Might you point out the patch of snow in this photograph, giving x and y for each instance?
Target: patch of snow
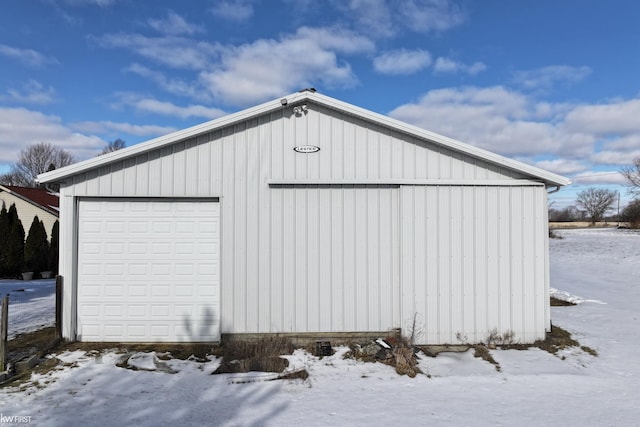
(143, 361)
(31, 304)
(566, 296)
(382, 343)
(72, 356)
(449, 365)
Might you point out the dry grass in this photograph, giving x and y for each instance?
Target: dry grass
(555, 302)
(263, 347)
(185, 351)
(238, 356)
(581, 224)
(401, 355)
(405, 361)
(38, 342)
(482, 352)
(255, 364)
(255, 355)
(300, 374)
(556, 340)
(559, 339)
(263, 354)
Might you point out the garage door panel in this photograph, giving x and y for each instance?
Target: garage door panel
(90, 290)
(136, 311)
(114, 291)
(113, 310)
(143, 331)
(91, 310)
(90, 248)
(150, 271)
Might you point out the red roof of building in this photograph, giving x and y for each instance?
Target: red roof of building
(43, 198)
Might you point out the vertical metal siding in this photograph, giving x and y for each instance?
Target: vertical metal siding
(66, 261)
(471, 257)
(266, 232)
(333, 271)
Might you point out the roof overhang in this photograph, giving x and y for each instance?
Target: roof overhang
(548, 178)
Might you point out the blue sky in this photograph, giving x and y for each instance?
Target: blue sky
(551, 83)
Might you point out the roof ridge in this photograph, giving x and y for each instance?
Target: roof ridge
(309, 94)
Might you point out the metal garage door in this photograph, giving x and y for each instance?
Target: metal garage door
(148, 270)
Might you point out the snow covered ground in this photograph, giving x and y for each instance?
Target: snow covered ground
(31, 304)
(599, 269)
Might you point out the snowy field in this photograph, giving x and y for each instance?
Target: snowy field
(31, 304)
(598, 269)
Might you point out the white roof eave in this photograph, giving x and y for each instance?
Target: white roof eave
(156, 143)
(550, 179)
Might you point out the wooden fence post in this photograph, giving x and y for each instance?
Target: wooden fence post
(4, 326)
(58, 307)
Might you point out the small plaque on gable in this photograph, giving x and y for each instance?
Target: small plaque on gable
(306, 149)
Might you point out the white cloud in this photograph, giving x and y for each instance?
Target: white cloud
(101, 3)
(402, 61)
(252, 72)
(448, 65)
(174, 25)
(371, 16)
(172, 51)
(563, 138)
(599, 177)
(545, 78)
(28, 57)
(334, 38)
(267, 68)
(73, 21)
(475, 68)
(20, 128)
(613, 157)
(32, 92)
(562, 166)
(623, 142)
(616, 117)
(495, 119)
(119, 128)
(233, 10)
(152, 105)
(175, 86)
(387, 18)
(429, 15)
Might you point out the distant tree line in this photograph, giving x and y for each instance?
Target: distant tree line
(567, 214)
(631, 212)
(595, 203)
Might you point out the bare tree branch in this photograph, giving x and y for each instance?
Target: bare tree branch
(34, 160)
(116, 145)
(632, 175)
(596, 201)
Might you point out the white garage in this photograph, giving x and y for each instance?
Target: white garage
(148, 270)
(303, 216)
